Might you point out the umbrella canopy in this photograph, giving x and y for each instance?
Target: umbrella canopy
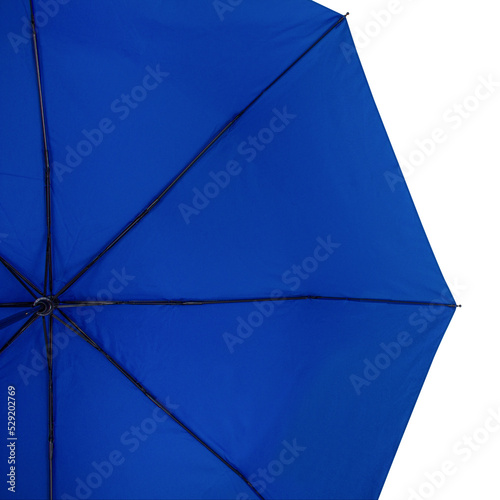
(214, 282)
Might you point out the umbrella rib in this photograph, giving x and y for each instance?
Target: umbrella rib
(48, 252)
(15, 318)
(16, 304)
(19, 333)
(21, 278)
(181, 174)
(75, 328)
(90, 303)
(49, 351)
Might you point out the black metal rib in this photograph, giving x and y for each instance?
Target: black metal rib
(21, 278)
(48, 210)
(181, 174)
(49, 339)
(69, 304)
(16, 304)
(18, 333)
(15, 318)
(75, 328)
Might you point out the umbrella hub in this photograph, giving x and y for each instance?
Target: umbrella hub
(45, 305)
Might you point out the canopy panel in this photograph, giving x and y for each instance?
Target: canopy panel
(335, 381)
(294, 197)
(121, 445)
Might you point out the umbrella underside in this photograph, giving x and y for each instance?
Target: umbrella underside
(215, 283)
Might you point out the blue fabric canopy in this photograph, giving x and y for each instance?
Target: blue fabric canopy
(214, 282)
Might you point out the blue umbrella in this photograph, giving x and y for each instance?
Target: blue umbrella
(214, 282)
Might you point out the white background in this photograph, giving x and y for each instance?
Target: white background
(422, 60)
